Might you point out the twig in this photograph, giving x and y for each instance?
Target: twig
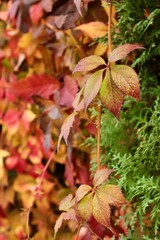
(98, 136)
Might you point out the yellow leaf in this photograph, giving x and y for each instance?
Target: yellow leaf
(100, 49)
(25, 41)
(93, 29)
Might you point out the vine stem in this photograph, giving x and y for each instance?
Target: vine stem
(78, 231)
(99, 136)
(109, 28)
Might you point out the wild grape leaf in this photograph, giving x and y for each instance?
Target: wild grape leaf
(48, 4)
(85, 206)
(122, 51)
(65, 129)
(68, 92)
(42, 85)
(126, 79)
(93, 29)
(70, 215)
(110, 95)
(78, 6)
(101, 176)
(89, 63)
(82, 191)
(36, 12)
(67, 203)
(77, 102)
(92, 87)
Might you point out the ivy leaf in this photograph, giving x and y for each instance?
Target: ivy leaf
(89, 63)
(78, 6)
(126, 79)
(110, 95)
(92, 87)
(82, 191)
(85, 206)
(42, 85)
(122, 51)
(66, 126)
(101, 176)
(67, 203)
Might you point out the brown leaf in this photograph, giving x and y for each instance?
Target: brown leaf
(82, 191)
(92, 87)
(126, 79)
(101, 176)
(65, 129)
(89, 63)
(110, 95)
(122, 51)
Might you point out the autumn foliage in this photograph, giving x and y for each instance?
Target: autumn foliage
(50, 75)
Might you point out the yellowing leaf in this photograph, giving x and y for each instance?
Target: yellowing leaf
(110, 95)
(25, 41)
(126, 79)
(85, 206)
(92, 87)
(101, 176)
(82, 191)
(67, 203)
(93, 29)
(76, 101)
(101, 210)
(122, 51)
(100, 49)
(89, 63)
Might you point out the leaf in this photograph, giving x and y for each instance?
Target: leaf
(25, 41)
(126, 79)
(42, 85)
(36, 12)
(92, 87)
(122, 51)
(93, 29)
(89, 63)
(67, 203)
(82, 191)
(78, 6)
(101, 176)
(70, 215)
(48, 4)
(85, 206)
(68, 92)
(66, 126)
(111, 96)
(101, 210)
(112, 195)
(76, 100)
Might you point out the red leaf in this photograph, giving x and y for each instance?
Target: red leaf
(126, 79)
(101, 176)
(42, 85)
(36, 12)
(122, 51)
(92, 87)
(65, 129)
(111, 96)
(89, 63)
(68, 92)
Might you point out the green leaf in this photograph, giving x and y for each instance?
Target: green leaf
(89, 63)
(82, 191)
(110, 95)
(101, 176)
(126, 79)
(92, 87)
(122, 51)
(85, 206)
